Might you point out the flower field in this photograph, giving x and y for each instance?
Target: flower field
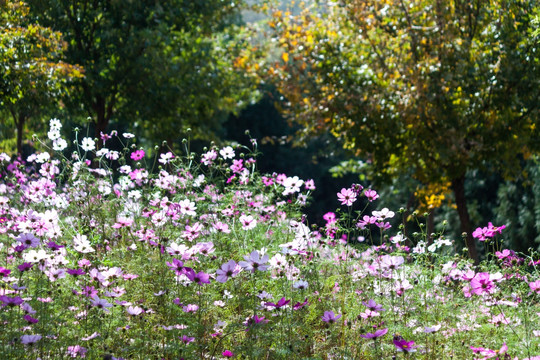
(116, 254)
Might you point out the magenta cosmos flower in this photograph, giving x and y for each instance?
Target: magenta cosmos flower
(281, 303)
(403, 345)
(330, 317)
(482, 284)
(199, 278)
(137, 155)
(346, 196)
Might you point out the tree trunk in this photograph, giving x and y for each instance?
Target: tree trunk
(19, 121)
(458, 187)
(101, 118)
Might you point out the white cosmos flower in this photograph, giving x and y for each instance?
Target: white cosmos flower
(383, 214)
(227, 152)
(53, 134)
(88, 144)
(55, 124)
(59, 144)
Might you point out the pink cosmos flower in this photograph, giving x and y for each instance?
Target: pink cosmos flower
(166, 158)
(330, 218)
(346, 196)
(482, 284)
(122, 221)
(237, 166)
(488, 353)
(369, 314)
(135, 310)
(366, 220)
(76, 351)
(309, 184)
(221, 227)
(371, 195)
(209, 157)
(248, 222)
(190, 308)
(383, 214)
(391, 262)
(482, 234)
(535, 286)
(267, 181)
(401, 286)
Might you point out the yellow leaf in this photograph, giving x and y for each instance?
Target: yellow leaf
(285, 57)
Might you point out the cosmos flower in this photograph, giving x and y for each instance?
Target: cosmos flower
(28, 240)
(229, 269)
(281, 303)
(199, 278)
(346, 196)
(375, 334)
(330, 317)
(372, 305)
(254, 262)
(482, 284)
(100, 303)
(404, 345)
(30, 339)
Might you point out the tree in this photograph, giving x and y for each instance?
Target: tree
(32, 76)
(421, 87)
(152, 64)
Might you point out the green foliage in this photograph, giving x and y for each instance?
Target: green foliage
(32, 76)
(161, 67)
(416, 87)
(519, 208)
(413, 84)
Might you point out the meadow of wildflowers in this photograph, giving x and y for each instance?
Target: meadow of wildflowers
(109, 254)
